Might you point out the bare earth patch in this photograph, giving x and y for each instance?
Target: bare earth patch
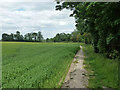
(76, 76)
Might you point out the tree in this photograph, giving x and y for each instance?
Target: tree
(61, 37)
(34, 36)
(5, 37)
(47, 40)
(101, 20)
(74, 36)
(18, 37)
(87, 37)
(12, 37)
(39, 36)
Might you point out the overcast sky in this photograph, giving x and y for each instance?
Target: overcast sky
(33, 17)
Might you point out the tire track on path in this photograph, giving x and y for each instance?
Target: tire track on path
(76, 76)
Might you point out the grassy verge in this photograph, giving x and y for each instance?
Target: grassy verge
(103, 72)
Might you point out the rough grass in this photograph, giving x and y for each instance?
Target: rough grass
(35, 65)
(103, 72)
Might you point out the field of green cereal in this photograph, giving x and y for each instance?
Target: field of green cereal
(36, 65)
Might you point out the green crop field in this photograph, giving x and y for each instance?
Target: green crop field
(36, 65)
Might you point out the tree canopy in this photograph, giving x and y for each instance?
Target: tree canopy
(101, 21)
(33, 36)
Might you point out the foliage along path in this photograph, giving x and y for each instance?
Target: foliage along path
(76, 76)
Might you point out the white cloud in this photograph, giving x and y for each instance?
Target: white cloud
(28, 17)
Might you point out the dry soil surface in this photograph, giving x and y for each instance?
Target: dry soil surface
(76, 76)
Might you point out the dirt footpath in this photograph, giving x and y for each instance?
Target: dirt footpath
(76, 77)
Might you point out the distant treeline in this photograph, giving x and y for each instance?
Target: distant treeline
(75, 36)
(29, 37)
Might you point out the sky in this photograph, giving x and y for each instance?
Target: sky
(33, 17)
